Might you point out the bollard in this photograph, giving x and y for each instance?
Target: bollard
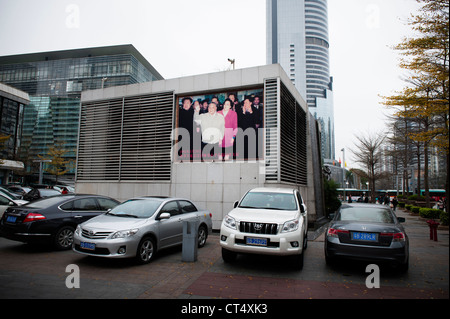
(433, 229)
(190, 240)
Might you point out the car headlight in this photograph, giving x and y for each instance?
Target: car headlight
(289, 226)
(78, 230)
(229, 222)
(123, 233)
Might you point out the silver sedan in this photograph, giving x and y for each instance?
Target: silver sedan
(140, 227)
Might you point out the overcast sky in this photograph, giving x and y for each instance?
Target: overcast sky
(180, 37)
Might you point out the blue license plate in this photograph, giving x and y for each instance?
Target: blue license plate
(11, 219)
(364, 236)
(88, 246)
(256, 241)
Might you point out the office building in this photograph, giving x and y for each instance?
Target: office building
(54, 82)
(297, 39)
(12, 104)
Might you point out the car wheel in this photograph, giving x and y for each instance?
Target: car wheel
(299, 259)
(145, 251)
(228, 256)
(64, 238)
(202, 236)
(305, 241)
(403, 268)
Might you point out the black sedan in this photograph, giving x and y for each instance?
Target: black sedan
(367, 232)
(53, 219)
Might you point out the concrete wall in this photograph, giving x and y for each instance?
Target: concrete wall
(213, 186)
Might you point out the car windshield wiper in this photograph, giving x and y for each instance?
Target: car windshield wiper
(124, 215)
(276, 208)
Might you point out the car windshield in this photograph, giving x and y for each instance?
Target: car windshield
(136, 208)
(366, 214)
(46, 202)
(266, 200)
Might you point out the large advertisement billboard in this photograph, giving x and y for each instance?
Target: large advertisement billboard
(221, 126)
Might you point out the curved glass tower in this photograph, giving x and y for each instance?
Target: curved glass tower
(297, 39)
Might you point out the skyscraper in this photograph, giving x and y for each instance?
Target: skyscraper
(297, 39)
(54, 81)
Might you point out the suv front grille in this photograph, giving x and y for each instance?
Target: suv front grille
(258, 228)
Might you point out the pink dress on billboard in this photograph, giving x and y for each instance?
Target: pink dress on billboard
(231, 128)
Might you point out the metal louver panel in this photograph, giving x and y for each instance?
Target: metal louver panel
(126, 139)
(285, 123)
(293, 140)
(271, 132)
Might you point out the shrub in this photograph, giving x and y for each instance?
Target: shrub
(412, 197)
(408, 207)
(401, 204)
(444, 218)
(430, 213)
(415, 209)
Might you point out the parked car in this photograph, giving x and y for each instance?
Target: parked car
(369, 232)
(270, 221)
(6, 191)
(19, 190)
(139, 228)
(37, 193)
(7, 201)
(52, 219)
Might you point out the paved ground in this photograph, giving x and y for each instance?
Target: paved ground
(27, 272)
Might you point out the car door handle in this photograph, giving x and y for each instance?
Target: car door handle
(78, 216)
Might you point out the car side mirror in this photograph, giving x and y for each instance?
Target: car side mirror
(302, 208)
(164, 216)
(236, 204)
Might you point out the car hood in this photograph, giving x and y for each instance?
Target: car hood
(111, 223)
(263, 215)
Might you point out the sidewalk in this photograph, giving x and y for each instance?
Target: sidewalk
(255, 277)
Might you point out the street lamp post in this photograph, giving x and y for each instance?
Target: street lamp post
(41, 173)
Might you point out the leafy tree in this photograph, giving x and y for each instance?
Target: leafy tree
(332, 202)
(426, 97)
(59, 165)
(368, 155)
(3, 140)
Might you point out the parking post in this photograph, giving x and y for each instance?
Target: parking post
(190, 241)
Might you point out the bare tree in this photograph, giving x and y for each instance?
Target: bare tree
(367, 153)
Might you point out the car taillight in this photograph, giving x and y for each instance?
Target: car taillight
(395, 236)
(335, 232)
(31, 217)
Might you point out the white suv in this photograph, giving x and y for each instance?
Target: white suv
(271, 221)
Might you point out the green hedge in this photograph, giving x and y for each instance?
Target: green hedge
(416, 197)
(430, 213)
(401, 204)
(415, 209)
(444, 218)
(408, 206)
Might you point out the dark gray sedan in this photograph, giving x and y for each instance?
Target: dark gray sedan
(367, 232)
(52, 219)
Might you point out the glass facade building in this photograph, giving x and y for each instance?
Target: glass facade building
(54, 82)
(297, 39)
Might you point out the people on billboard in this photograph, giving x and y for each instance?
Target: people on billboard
(231, 127)
(213, 130)
(216, 122)
(248, 116)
